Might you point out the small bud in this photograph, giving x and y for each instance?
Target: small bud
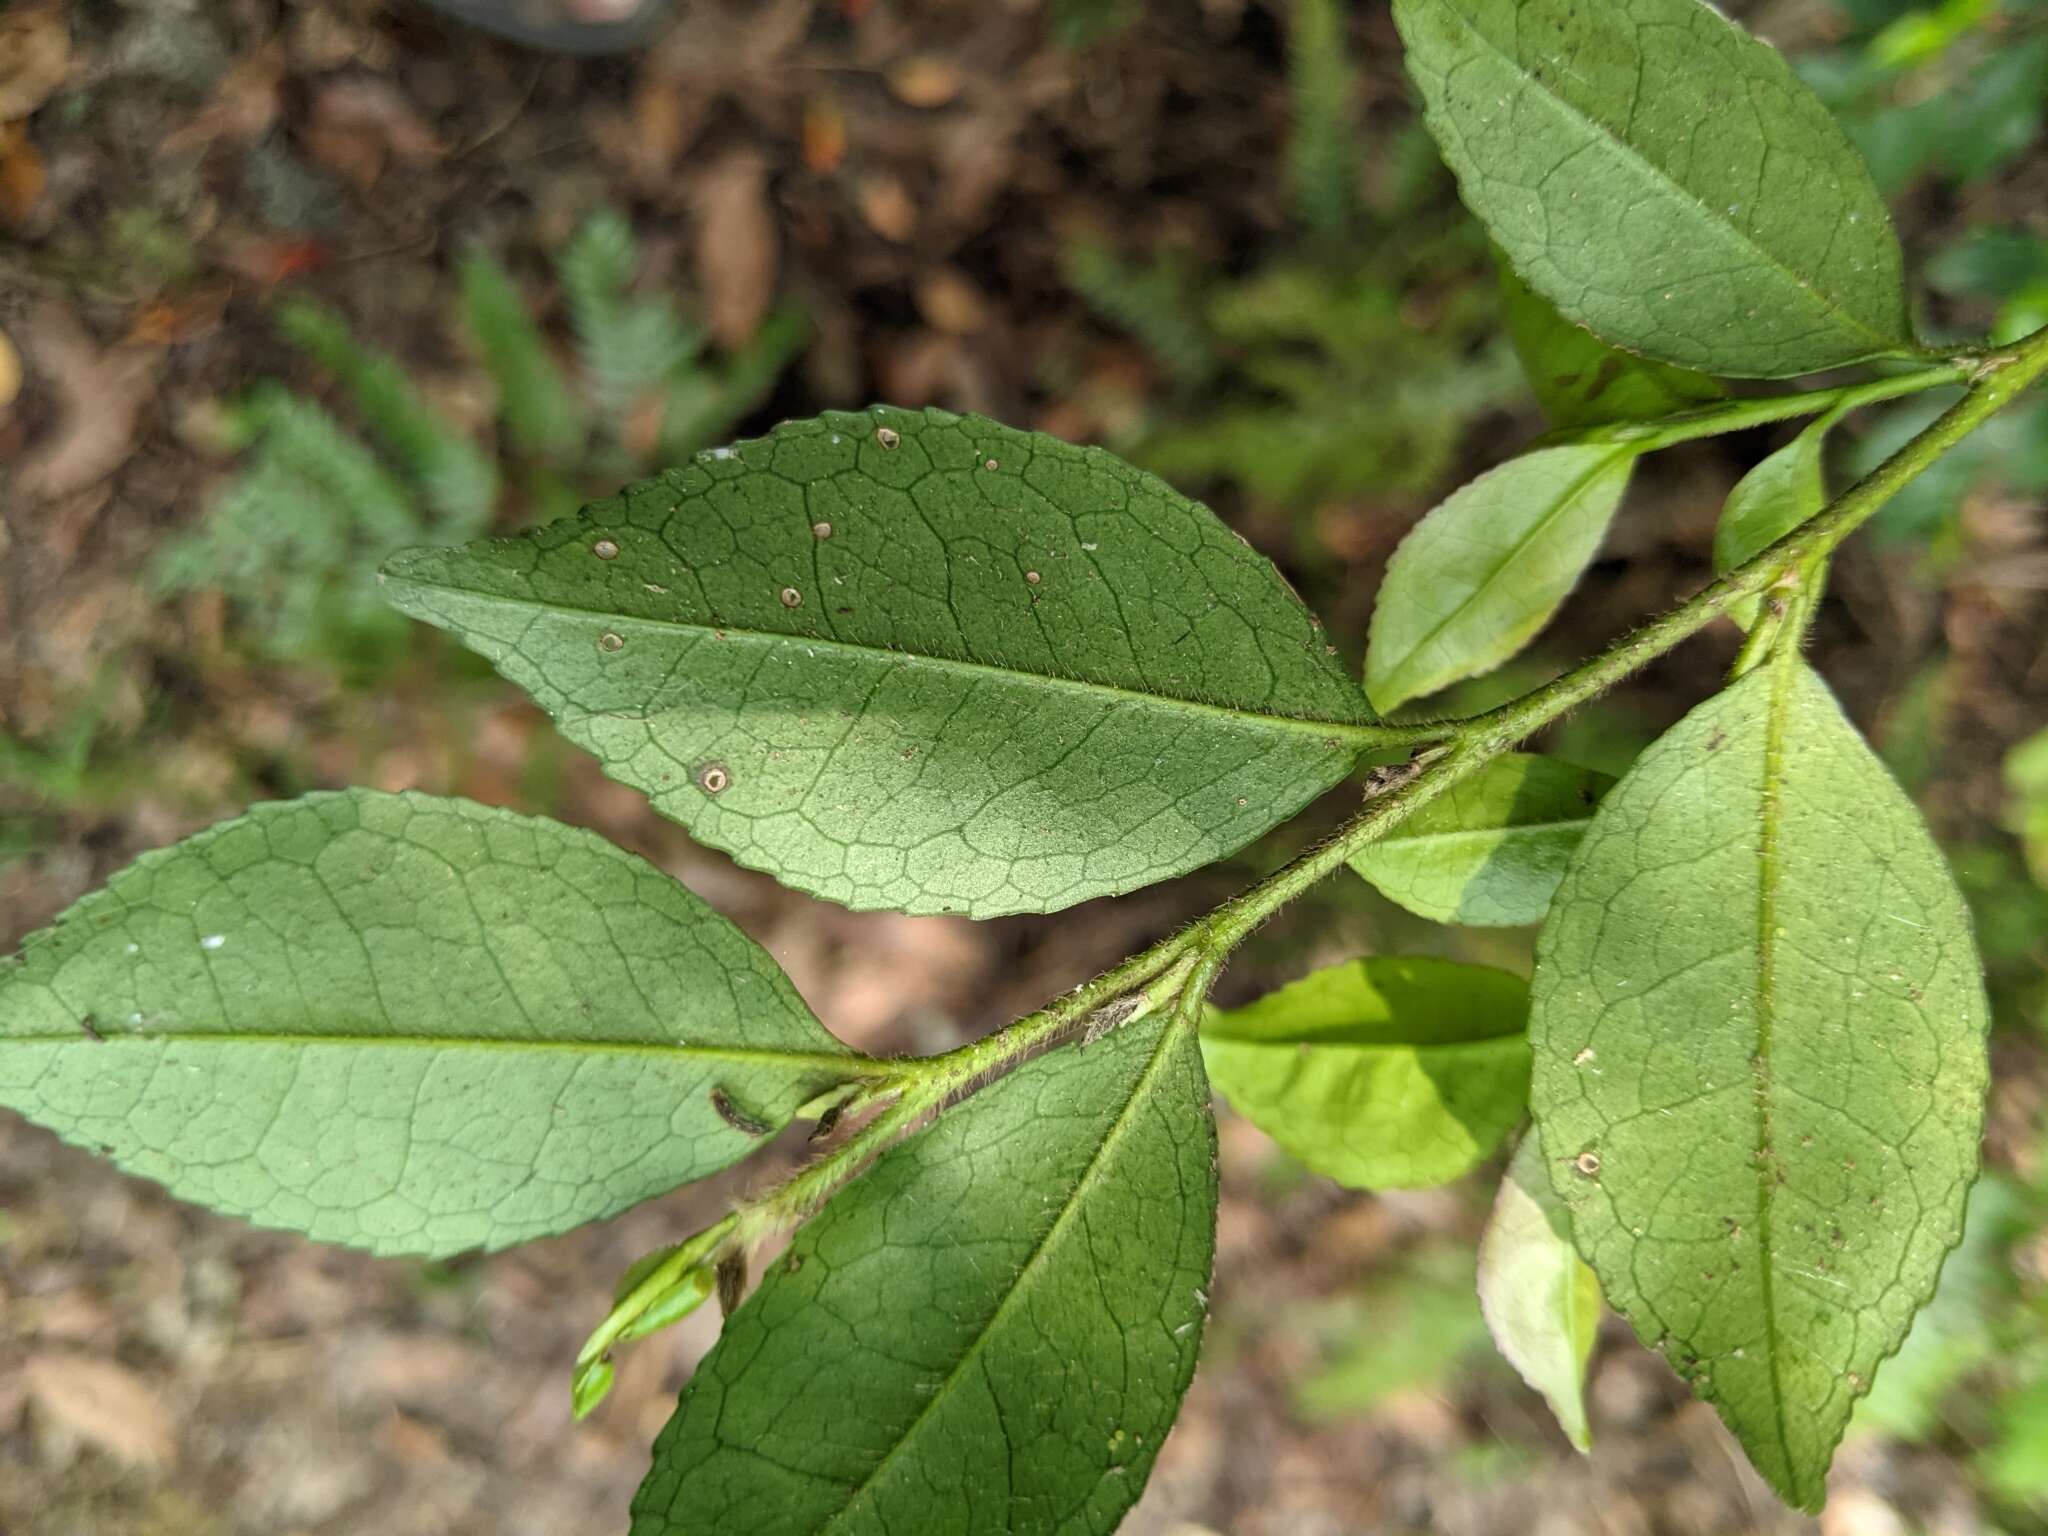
(587, 1388)
(673, 1304)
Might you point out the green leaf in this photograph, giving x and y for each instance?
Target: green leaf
(1663, 179)
(1776, 496)
(1489, 851)
(1579, 380)
(916, 660)
(1383, 1073)
(406, 1024)
(1760, 1068)
(1541, 1302)
(990, 1332)
(1488, 567)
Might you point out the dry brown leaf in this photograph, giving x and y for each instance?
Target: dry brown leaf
(22, 174)
(738, 246)
(10, 372)
(35, 51)
(925, 80)
(103, 1403)
(824, 134)
(244, 105)
(324, 37)
(888, 209)
(358, 122)
(660, 116)
(169, 321)
(949, 301)
(103, 395)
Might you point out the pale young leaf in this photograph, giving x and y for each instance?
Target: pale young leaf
(1475, 580)
(1540, 1301)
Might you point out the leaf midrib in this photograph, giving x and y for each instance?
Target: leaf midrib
(1292, 1043)
(1828, 305)
(1168, 1039)
(1507, 558)
(1416, 840)
(849, 1062)
(1769, 869)
(1363, 730)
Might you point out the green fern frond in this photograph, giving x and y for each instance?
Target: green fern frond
(1089, 23)
(1322, 153)
(627, 345)
(542, 417)
(705, 407)
(1154, 303)
(459, 482)
(292, 538)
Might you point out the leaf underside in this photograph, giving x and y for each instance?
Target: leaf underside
(1489, 851)
(1390, 1072)
(406, 1024)
(1778, 494)
(918, 661)
(991, 1334)
(1474, 581)
(1579, 380)
(1663, 179)
(1759, 1061)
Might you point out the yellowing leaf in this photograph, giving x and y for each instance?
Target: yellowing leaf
(1540, 1301)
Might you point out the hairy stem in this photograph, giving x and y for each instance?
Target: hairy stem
(1470, 743)
(1181, 967)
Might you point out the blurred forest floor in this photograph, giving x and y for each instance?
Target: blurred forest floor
(1154, 227)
